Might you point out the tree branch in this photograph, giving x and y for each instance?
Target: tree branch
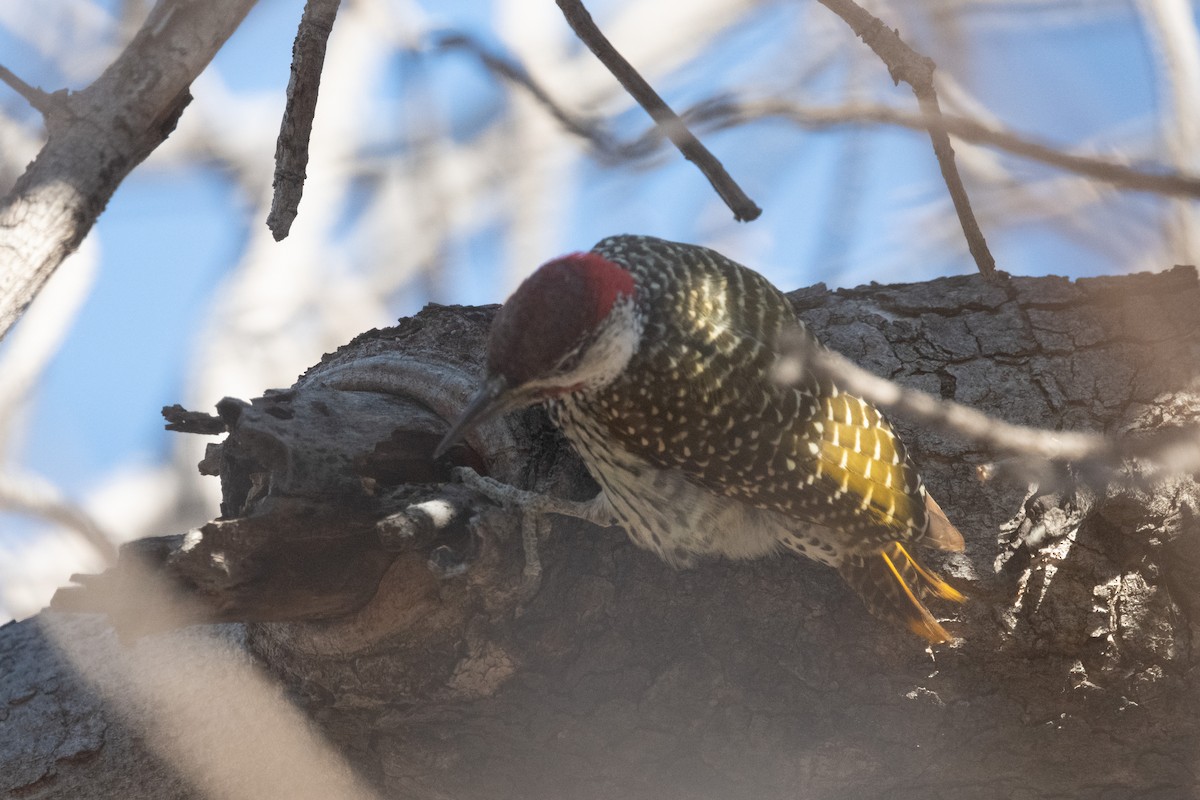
(513, 71)
(726, 113)
(28, 494)
(743, 208)
(435, 686)
(40, 100)
(905, 64)
(291, 148)
(719, 113)
(97, 138)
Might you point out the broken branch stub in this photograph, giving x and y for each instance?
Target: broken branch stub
(327, 487)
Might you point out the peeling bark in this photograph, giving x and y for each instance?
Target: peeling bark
(620, 677)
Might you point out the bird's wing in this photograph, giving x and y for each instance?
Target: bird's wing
(702, 400)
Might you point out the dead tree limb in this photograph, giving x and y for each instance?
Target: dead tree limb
(96, 136)
(291, 148)
(621, 676)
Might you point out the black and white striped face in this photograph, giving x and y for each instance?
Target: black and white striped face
(599, 358)
(571, 326)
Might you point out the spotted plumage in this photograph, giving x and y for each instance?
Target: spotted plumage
(664, 386)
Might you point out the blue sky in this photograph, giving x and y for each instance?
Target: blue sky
(130, 342)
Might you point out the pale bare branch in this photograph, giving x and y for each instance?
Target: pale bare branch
(97, 136)
(1096, 457)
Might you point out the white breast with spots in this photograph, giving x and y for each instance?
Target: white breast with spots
(664, 511)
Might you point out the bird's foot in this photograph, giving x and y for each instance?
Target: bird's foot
(595, 511)
(533, 507)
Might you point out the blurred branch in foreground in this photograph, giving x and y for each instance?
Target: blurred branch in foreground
(204, 708)
(1097, 459)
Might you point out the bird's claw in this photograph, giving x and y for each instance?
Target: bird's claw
(530, 504)
(494, 490)
(596, 511)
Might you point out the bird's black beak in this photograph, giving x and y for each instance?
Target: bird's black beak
(492, 399)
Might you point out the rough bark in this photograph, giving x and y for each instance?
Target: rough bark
(620, 677)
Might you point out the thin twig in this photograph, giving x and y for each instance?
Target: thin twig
(513, 71)
(41, 100)
(1096, 457)
(743, 208)
(722, 113)
(719, 113)
(592, 130)
(291, 149)
(905, 64)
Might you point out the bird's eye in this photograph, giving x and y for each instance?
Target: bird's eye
(572, 359)
(568, 362)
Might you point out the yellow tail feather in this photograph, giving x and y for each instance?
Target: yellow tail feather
(892, 583)
(932, 582)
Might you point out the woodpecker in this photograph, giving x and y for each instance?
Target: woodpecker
(656, 360)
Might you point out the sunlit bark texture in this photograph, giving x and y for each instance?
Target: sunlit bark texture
(618, 676)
